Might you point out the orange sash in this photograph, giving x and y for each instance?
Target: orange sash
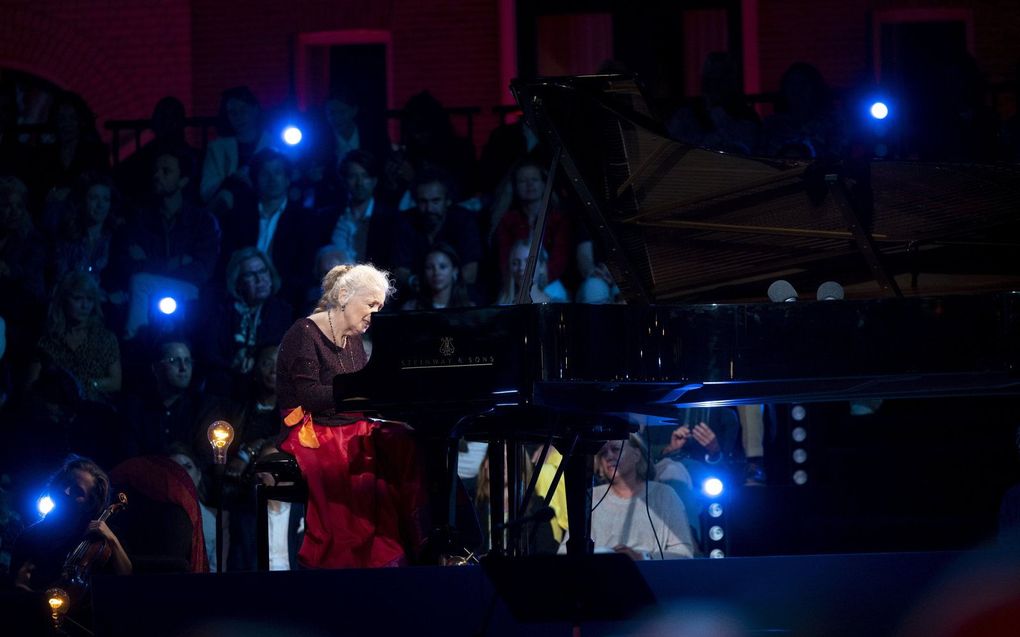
(306, 435)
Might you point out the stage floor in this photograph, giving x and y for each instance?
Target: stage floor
(866, 594)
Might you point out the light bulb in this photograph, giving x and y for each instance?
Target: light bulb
(220, 435)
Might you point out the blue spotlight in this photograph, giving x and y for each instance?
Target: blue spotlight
(44, 505)
(292, 135)
(167, 305)
(879, 110)
(712, 487)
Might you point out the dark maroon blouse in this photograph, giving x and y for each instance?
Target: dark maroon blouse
(307, 363)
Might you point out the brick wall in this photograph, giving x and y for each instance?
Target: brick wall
(121, 55)
(835, 36)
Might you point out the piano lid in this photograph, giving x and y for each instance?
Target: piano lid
(678, 222)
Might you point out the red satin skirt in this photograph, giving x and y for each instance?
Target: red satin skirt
(366, 495)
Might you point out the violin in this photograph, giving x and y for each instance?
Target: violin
(90, 554)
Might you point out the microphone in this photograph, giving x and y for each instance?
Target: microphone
(830, 291)
(782, 292)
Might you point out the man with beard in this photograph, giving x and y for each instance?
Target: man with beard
(436, 221)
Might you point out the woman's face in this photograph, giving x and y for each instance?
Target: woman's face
(97, 203)
(254, 281)
(78, 307)
(619, 457)
(439, 271)
(519, 263)
(360, 308)
(528, 184)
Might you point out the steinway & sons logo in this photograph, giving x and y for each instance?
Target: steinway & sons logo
(448, 357)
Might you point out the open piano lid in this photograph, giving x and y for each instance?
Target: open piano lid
(681, 223)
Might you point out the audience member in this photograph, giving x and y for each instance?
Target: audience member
(634, 515)
(721, 118)
(77, 341)
(442, 284)
(170, 248)
(284, 231)
(518, 223)
(364, 228)
(225, 173)
(76, 150)
(22, 258)
(805, 123)
(185, 457)
(250, 317)
(436, 220)
(168, 123)
(171, 410)
(542, 291)
(84, 237)
(429, 142)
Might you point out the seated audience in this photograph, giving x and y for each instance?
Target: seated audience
(85, 234)
(170, 248)
(518, 223)
(633, 515)
(542, 291)
(441, 282)
(284, 231)
(363, 226)
(226, 177)
(77, 341)
(250, 317)
(436, 220)
(171, 410)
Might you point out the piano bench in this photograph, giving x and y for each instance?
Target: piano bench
(289, 486)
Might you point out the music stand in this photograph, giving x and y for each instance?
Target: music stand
(569, 588)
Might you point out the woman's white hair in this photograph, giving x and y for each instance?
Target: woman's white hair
(344, 281)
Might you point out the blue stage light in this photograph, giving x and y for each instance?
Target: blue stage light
(712, 487)
(292, 135)
(167, 305)
(44, 505)
(879, 110)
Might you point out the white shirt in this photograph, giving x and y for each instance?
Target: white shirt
(350, 234)
(279, 525)
(267, 226)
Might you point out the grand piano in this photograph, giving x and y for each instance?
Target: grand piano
(687, 232)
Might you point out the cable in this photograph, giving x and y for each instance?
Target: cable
(648, 510)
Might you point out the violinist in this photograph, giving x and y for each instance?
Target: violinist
(81, 492)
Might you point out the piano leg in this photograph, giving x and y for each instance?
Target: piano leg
(579, 475)
(497, 482)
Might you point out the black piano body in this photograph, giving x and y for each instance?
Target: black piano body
(653, 359)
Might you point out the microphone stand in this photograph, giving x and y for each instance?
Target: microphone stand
(218, 472)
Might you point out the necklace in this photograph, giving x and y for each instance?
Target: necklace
(336, 342)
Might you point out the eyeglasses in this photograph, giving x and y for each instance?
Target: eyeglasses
(177, 360)
(254, 274)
